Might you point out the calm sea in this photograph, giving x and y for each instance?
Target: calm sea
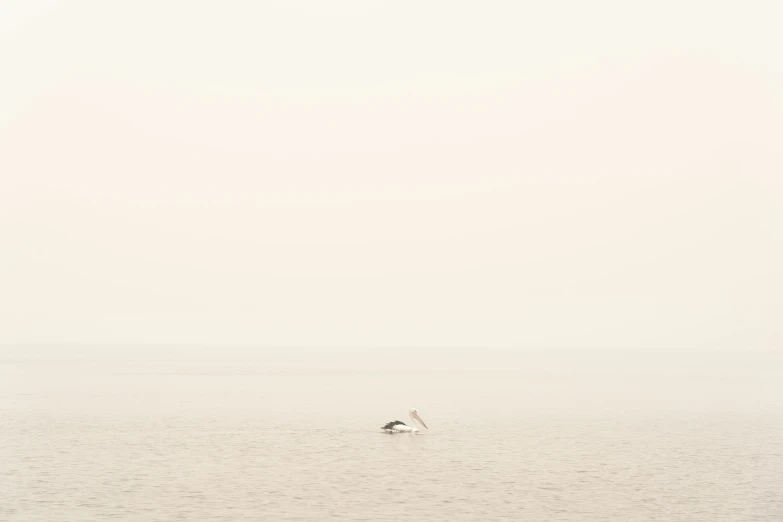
(208, 434)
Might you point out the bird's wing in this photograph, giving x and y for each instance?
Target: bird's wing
(393, 425)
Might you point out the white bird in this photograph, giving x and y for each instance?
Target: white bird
(401, 427)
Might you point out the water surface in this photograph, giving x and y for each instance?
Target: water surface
(157, 434)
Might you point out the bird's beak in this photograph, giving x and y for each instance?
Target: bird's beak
(416, 416)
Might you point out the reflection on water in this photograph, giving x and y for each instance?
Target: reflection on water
(143, 436)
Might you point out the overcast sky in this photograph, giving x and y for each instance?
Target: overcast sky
(392, 174)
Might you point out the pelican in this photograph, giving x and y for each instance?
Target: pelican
(401, 427)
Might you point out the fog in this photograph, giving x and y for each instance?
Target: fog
(378, 175)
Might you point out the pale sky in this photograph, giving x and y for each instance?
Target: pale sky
(392, 174)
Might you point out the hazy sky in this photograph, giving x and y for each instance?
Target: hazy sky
(392, 174)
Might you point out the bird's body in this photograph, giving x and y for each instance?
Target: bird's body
(401, 427)
(397, 427)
